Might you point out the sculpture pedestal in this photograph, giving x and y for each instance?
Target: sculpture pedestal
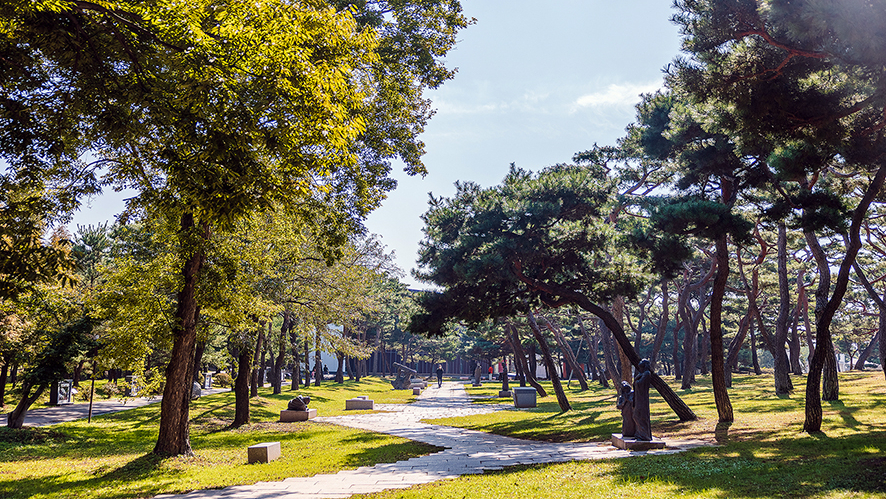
(288, 416)
(631, 443)
(524, 396)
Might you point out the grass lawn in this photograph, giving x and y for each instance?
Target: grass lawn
(110, 458)
(763, 454)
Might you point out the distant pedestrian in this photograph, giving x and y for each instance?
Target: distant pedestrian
(439, 375)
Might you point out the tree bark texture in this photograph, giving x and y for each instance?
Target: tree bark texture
(257, 365)
(721, 396)
(824, 352)
(592, 353)
(783, 385)
(517, 345)
(174, 437)
(16, 418)
(735, 347)
(624, 364)
(662, 325)
(567, 353)
(241, 387)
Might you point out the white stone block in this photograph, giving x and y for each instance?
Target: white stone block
(263, 452)
(359, 403)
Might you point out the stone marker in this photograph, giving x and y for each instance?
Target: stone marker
(505, 393)
(524, 396)
(416, 390)
(361, 402)
(196, 392)
(264, 452)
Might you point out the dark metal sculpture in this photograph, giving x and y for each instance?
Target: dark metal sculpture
(404, 377)
(299, 403)
(642, 424)
(626, 404)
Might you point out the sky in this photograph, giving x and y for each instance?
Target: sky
(536, 83)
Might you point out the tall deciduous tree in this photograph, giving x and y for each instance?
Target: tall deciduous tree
(214, 109)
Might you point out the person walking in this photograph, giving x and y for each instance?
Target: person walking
(439, 375)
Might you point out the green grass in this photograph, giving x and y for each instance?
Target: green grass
(110, 458)
(763, 454)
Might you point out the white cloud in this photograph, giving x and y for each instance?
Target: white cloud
(617, 95)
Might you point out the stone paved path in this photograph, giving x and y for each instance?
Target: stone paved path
(467, 452)
(46, 416)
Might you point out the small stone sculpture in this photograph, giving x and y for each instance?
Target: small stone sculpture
(626, 404)
(642, 424)
(299, 403)
(404, 377)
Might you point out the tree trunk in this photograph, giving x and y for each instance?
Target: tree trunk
(241, 387)
(794, 351)
(308, 378)
(259, 349)
(881, 324)
(882, 345)
(567, 353)
(721, 396)
(199, 348)
(517, 345)
(866, 353)
(673, 400)
(262, 368)
(783, 385)
(549, 362)
(824, 353)
(4, 371)
(16, 418)
(277, 382)
(705, 355)
(618, 308)
(173, 437)
(609, 356)
(690, 346)
(754, 361)
(735, 347)
(318, 360)
(675, 352)
(76, 375)
(662, 325)
(340, 374)
(296, 358)
(592, 353)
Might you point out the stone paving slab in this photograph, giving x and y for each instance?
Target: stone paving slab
(465, 452)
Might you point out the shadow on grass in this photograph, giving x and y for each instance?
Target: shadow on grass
(796, 467)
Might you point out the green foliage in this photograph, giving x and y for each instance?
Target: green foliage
(64, 344)
(223, 380)
(490, 248)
